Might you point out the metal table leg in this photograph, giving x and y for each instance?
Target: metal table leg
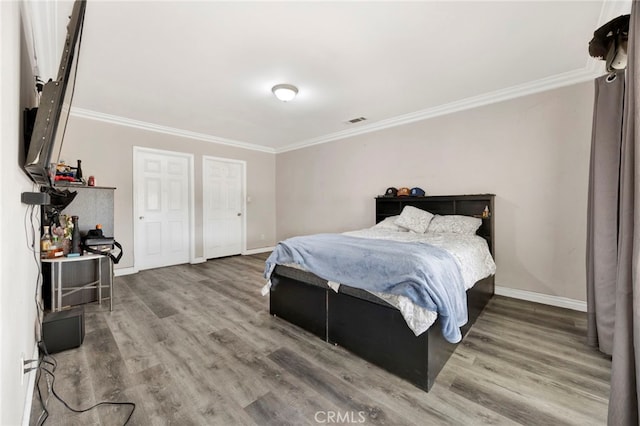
(100, 280)
(59, 286)
(52, 271)
(110, 284)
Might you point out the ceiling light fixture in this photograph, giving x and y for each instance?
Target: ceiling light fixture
(285, 92)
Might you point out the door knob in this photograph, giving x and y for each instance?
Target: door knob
(141, 217)
(239, 214)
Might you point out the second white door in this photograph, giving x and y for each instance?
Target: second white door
(223, 203)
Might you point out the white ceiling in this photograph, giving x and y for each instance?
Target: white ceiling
(205, 69)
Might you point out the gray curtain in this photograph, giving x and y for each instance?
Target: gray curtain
(613, 270)
(602, 231)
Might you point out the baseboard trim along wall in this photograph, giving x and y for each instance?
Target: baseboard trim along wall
(561, 302)
(128, 271)
(124, 271)
(258, 250)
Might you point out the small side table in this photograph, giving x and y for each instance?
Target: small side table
(58, 292)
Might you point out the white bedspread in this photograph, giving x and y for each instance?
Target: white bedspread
(470, 251)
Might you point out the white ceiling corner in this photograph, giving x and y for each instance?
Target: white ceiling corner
(204, 70)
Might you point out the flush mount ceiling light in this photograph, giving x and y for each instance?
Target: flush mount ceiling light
(285, 92)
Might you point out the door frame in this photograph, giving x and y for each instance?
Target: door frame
(190, 203)
(243, 225)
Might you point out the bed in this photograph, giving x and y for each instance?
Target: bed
(369, 325)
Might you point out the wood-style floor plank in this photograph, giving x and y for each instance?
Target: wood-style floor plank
(195, 345)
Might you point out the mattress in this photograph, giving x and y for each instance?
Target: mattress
(470, 252)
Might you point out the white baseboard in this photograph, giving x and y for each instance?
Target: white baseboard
(197, 260)
(31, 384)
(258, 250)
(561, 302)
(124, 271)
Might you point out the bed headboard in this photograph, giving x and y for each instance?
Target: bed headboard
(467, 205)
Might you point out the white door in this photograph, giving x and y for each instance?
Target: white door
(223, 203)
(162, 191)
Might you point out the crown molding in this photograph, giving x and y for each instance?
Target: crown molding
(560, 80)
(143, 125)
(592, 70)
(42, 16)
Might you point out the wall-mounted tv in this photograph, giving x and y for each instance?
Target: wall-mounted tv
(55, 103)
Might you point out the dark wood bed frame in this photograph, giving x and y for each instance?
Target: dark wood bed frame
(367, 325)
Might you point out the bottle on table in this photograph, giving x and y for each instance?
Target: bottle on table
(75, 237)
(45, 242)
(79, 171)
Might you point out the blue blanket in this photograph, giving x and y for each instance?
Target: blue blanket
(427, 275)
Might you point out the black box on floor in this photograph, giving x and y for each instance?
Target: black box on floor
(63, 330)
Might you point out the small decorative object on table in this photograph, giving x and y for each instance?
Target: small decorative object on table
(79, 170)
(45, 243)
(75, 237)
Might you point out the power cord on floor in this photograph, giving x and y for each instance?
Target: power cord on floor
(49, 367)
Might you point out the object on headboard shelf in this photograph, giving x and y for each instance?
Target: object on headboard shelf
(486, 212)
(403, 192)
(391, 192)
(417, 192)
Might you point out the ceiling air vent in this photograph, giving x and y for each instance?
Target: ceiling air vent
(356, 120)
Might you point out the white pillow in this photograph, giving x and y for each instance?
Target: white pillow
(414, 219)
(388, 223)
(455, 224)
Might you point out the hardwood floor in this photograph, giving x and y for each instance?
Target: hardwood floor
(195, 345)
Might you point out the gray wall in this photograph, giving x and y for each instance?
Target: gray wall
(532, 152)
(106, 151)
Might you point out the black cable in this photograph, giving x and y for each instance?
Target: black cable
(54, 365)
(84, 410)
(32, 246)
(45, 412)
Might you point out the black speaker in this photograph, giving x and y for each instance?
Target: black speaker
(35, 198)
(63, 330)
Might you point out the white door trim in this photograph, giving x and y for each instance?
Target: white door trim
(243, 232)
(192, 232)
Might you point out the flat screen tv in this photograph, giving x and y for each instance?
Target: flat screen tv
(50, 122)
